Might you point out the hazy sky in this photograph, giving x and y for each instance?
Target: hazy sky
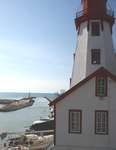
(37, 40)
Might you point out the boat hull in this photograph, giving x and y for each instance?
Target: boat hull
(19, 104)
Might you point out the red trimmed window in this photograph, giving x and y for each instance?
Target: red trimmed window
(101, 122)
(95, 28)
(75, 121)
(101, 86)
(95, 56)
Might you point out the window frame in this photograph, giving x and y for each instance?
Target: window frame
(80, 121)
(97, 86)
(95, 54)
(105, 123)
(95, 28)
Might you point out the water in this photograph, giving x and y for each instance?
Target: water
(20, 120)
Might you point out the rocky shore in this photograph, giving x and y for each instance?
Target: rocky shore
(28, 141)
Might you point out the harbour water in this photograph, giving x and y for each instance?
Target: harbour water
(20, 120)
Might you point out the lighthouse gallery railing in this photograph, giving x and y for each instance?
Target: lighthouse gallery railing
(109, 12)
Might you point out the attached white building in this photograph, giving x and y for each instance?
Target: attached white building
(85, 114)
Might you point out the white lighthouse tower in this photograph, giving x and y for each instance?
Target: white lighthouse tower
(94, 42)
(84, 116)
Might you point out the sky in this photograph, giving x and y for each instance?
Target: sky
(37, 41)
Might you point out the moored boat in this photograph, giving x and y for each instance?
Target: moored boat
(17, 104)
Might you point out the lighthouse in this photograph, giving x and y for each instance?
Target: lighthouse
(94, 48)
(85, 115)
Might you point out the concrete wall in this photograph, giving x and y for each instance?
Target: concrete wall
(84, 99)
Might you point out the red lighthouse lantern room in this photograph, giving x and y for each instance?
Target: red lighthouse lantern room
(94, 10)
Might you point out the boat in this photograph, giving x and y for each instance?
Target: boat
(6, 101)
(17, 104)
(43, 125)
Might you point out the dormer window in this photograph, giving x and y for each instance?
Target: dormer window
(101, 86)
(95, 56)
(95, 29)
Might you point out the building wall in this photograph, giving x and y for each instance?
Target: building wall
(82, 66)
(105, 44)
(79, 63)
(84, 99)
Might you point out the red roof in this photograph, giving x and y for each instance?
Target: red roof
(100, 72)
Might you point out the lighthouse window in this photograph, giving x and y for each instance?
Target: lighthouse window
(101, 86)
(95, 56)
(75, 117)
(101, 122)
(95, 29)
